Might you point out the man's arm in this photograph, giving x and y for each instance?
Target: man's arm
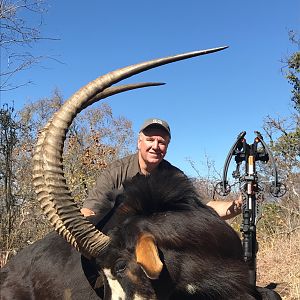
(227, 209)
(97, 201)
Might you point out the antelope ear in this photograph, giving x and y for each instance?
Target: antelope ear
(147, 255)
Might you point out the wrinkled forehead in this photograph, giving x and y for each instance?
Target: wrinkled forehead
(156, 131)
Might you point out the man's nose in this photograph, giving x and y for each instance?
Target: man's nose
(155, 144)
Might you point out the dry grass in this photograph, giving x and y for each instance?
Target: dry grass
(278, 261)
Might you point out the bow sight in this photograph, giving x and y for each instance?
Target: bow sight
(251, 190)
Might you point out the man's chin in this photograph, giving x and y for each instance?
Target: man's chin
(154, 160)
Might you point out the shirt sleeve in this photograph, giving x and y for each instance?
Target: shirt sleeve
(98, 200)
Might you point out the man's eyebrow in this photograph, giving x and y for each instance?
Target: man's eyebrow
(160, 138)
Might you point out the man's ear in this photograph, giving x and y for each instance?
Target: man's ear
(139, 142)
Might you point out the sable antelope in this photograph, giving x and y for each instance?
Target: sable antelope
(170, 247)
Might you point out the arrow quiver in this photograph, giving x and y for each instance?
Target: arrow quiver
(250, 189)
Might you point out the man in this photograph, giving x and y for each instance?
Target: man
(154, 138)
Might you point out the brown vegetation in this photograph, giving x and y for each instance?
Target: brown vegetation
(95, 139)
(278, 262)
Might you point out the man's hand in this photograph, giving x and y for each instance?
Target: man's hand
(227, 209)
(238, 204)
(87, 212)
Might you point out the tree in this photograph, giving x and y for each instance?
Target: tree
(11, 199)
(284, 137)
(8, 140)
(293, 70)
(95, 139)
(17, 35)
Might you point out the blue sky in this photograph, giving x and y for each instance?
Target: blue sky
(207, 100)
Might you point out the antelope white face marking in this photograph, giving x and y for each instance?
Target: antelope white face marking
(117, 292)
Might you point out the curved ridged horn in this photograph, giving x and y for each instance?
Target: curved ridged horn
(119, 89)
(45, 202)
(49, 179)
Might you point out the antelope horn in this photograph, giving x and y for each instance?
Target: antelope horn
(45, 202)
(119, 89)
(49, 181)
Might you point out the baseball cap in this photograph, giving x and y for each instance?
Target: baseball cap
(155, 122)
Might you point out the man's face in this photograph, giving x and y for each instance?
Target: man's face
(153, 145)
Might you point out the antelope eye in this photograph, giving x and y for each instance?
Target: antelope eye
(120, 267)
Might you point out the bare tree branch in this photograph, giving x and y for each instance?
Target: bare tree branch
(16, 36)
